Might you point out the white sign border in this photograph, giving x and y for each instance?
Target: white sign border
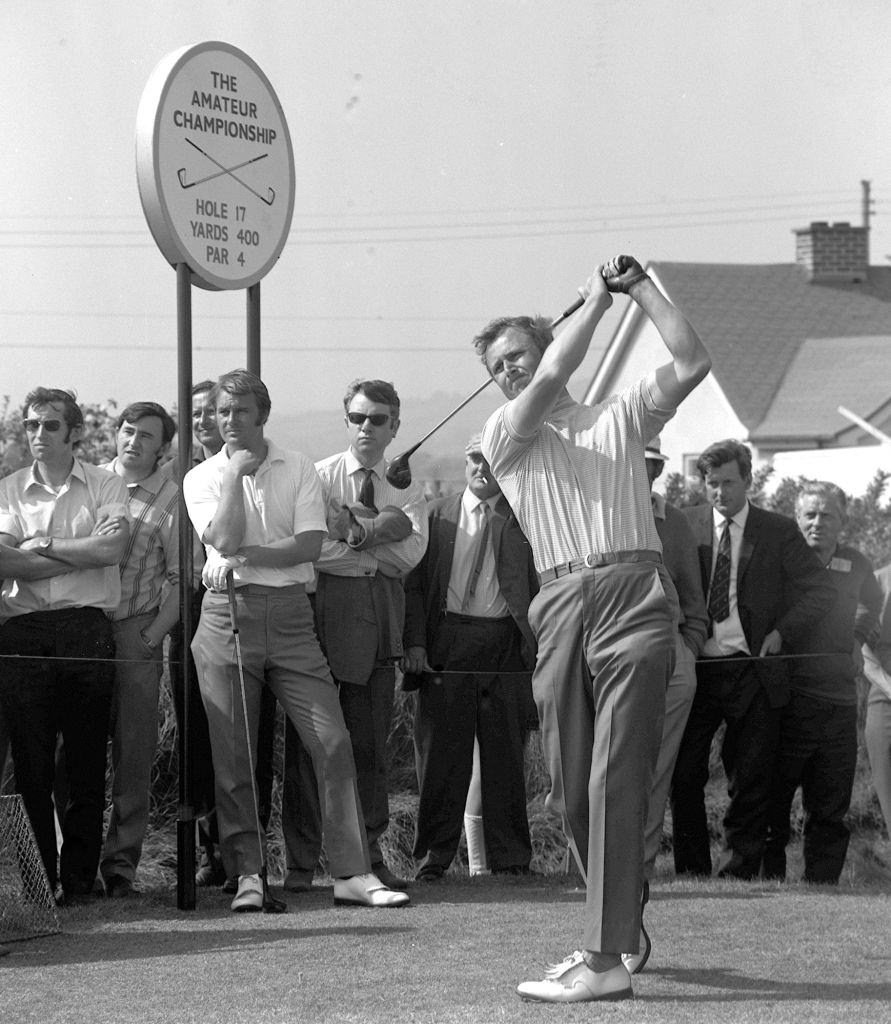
(151, 189)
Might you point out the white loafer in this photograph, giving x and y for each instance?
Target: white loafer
(573, 981)
(366, 891)
(250, 894)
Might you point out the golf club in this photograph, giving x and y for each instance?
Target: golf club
(271, 905)
(399, 471)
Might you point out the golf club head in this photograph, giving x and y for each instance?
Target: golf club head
(399, 472)
(271, 905)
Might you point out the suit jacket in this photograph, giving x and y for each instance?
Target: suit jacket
(359, 622)
(426, 589)
(780, 585)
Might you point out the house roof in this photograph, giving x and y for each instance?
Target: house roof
(754, 318)
(825, 373)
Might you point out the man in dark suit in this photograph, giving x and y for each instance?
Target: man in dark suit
(466, 607)
(765, 587)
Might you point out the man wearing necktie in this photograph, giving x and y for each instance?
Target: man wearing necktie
(466, 607)
(376, 535)
(764, 588)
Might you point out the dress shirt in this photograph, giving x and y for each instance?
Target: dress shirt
(487, 601)
(728, 636)
(152, 554)
(282, 499)
(342, 477)
(30, 508)
(579, 485)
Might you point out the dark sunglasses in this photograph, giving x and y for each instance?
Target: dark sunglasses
(378, 419)
(32, 426)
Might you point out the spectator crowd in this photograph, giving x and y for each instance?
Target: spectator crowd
(314, 584)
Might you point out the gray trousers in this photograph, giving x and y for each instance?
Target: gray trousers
(279, 650)
(877, 733)
(678, 701)
(605, 655)
(134, 741)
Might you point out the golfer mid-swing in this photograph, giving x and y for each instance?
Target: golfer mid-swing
(259, 511)
(576, 479)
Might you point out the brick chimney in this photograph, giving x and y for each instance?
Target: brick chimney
(832, 253)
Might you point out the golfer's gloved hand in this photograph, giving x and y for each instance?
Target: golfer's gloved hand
(621, 272)
(217, 568)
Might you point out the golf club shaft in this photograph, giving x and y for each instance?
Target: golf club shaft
(559, 320)
(446, 419)
(233, 618)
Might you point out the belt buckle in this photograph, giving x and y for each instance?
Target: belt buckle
(588, 563)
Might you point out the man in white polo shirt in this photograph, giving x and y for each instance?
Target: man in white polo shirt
(259, 511)
(604, 618)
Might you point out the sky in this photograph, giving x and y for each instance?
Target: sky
(454, 162)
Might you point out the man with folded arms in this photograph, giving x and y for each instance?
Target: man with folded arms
(604, 618)
(376, 534)
(259, 511)
(64, 526)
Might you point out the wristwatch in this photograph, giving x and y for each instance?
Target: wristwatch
(44, 543)
(146, 640)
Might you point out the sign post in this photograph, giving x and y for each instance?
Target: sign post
(215, 170)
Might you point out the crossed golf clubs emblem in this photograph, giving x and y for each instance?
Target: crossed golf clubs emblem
(268, 199)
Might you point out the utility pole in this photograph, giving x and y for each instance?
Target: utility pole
(867, 204)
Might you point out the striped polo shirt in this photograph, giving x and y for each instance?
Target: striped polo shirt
(152, 554)
(579, 485)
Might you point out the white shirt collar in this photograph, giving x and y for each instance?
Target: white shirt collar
(718, 518)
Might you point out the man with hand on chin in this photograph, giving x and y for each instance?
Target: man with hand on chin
(259, 511)
(376, 534)
(604, 617)
(145, 614)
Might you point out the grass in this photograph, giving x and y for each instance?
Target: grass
(728, 951)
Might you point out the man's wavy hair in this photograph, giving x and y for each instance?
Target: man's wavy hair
(827, 492)
(722, 452)
(72, 412)
(536, 328)
(243, 382)
(137, 411)
(380, 391)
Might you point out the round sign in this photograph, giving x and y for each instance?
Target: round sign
(214, 165)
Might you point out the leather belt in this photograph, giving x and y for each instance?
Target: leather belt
(597, 562)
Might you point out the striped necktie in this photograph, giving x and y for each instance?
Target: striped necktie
(719, 591)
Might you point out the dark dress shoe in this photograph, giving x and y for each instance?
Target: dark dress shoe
(210, 872)
(118, 888)
(431, 873)
(390, 880)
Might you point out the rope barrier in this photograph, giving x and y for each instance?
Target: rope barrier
(730, 659)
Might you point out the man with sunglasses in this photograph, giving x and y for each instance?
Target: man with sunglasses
(64, 526)
(376, 535)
